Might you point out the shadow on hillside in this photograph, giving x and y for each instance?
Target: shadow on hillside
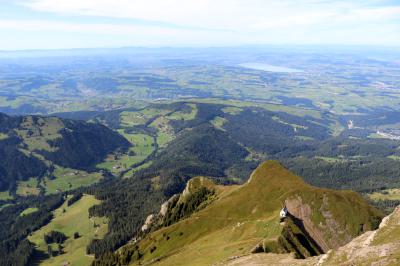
(306, 240)
(38, 257)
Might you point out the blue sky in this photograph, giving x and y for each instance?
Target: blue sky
(55, 24)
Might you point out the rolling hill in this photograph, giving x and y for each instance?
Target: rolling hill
(171, 143)
(38, 147)
(209, 223)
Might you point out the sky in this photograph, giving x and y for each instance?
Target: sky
(64, 24)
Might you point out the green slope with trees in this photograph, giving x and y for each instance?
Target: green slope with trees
(239, 220)
(34, 145)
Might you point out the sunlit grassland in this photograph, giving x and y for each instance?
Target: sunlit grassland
(331, 159)
(387, 194)
(28, 211)
(142, 147)
(303, 138)
(242, 216)
(4, 101)
(294, 110)
(181, 115)
(330, 86)
(134, 118)
(5, 195)
(28, 187)
(165, 132)
(294, 126)
(3, 136)
(67, 179)
(394, 157)
(218, 122)
(68, 220)
(375, 136)
(163, 138)
(132, 171)
(37, 134)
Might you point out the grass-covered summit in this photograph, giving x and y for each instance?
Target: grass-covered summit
(238, 220)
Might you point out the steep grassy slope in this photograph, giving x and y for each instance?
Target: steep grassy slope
(245, 218)
(31, 145)
(379, 247)
(68, 220)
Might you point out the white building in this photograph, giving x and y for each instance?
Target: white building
(283, 212)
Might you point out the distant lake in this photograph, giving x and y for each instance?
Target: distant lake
(270, 68)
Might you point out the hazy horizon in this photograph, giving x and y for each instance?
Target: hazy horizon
(45, 24)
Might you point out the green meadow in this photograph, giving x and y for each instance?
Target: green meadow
(68, 179)
(28, 211)
(68, 220)
(142, 147)
(28, 187)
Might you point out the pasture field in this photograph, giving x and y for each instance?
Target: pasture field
(132, 171)
(68, 220)
(218, 122)
(180, 115)
(5, 195)
(331, 159)
(394, 157)
(143, 146)
(3, 136)
(387, 194)
(67, 179)
(37, 134)
(28, 211)
(28, 187)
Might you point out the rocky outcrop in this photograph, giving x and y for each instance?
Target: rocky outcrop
(327, 235)
(198, 192)
(308, 229)
(380, 247)
(302, 214)
(167, 205)
(147, 224)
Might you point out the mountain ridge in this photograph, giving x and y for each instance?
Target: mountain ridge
(242, 219)
(381, 246)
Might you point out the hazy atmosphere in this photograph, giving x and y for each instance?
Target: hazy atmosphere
(47, 24)
(199, 133)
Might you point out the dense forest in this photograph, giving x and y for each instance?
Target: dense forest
(15, 249)
(200, 151)
(83, 145)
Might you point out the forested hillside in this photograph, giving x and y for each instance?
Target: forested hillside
(209, 224)
(32, 146)
(151, 152)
